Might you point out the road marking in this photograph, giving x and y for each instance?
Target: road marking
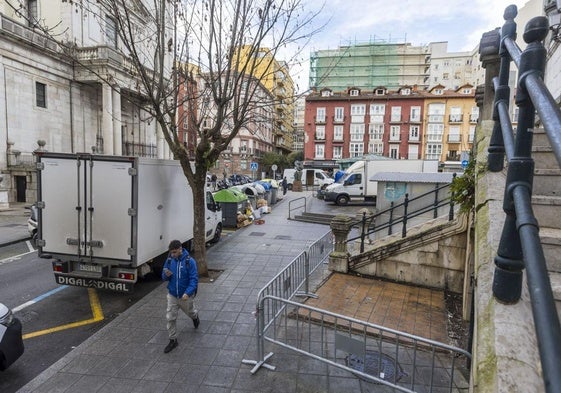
(29, 246)
(39, 298)
(97, 317)
(15, 257)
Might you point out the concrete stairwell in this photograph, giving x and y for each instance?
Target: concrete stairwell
(546, 203)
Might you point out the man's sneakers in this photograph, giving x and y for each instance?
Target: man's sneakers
(172, 344)
(196, 322)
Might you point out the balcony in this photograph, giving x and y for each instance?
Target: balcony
(19, 160)
(452, 157)
(319, 137)
(338, 140)
(395, 119)
(338, 120)
(319, 120)
(473, 118)
(139, 150)
(456, 118)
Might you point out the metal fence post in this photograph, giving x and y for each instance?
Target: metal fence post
(405, 205)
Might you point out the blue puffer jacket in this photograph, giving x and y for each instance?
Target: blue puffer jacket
(184, 277)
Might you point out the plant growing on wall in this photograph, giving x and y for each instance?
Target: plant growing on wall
(463, 187)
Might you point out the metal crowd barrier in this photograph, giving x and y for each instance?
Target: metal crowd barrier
(403, 361)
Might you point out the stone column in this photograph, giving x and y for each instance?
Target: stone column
(117, 134)
(338, 259)
(107, 119)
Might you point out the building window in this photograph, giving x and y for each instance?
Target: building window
(40, 95)
(405, 92)
(436, 113)
(413, 152)
(396, 113)
(376, 131)
(414, 133)
(455, 114)
(357, 132)
(357, 113)
(471, 134)
(320, 151)
(434, 132)
(377, 113)
(434, 151)
(394, 151)
(474, 116)
(339, 114)
(354, 92)
(325, 93)
(379, 92)
(320, 115)
(320, 132)
(466, 91)
(454, 134)
(110, 32)
(337, 152)
(394, 133)
(376, 148)
(415, 114)
(356, 149)
(338, 133)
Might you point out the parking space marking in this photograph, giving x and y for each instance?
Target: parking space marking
(39, 298)
(97, 313)
(15, 257)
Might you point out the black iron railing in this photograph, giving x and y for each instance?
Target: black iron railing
(429, 202)
(520, 246)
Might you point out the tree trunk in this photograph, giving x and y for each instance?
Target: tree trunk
(199, 242)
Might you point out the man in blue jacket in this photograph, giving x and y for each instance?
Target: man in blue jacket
(180, 270)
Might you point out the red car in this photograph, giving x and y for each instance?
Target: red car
(11, 342)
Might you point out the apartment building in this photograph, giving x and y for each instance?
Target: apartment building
(275, 77)
(406, 123)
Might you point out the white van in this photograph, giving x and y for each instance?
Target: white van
(310, 177)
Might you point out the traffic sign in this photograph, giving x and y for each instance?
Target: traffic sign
(253, 166)
(274, 167)
(465, 164)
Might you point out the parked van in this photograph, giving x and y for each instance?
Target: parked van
(310, 177)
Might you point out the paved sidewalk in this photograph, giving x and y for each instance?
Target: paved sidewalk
(127, 354)
(13, 224)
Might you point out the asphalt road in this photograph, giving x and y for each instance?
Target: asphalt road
(55, 318)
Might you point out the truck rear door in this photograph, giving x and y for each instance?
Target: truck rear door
(85, 207)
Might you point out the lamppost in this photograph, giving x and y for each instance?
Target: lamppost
(226, 158)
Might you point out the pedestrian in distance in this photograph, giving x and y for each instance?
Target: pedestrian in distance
(284, 185)
(180, 271)
(213, 181)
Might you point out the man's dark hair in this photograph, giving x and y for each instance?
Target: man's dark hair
(174, 245)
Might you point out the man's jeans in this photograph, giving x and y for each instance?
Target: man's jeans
(174, 304)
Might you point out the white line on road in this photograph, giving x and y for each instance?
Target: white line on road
(39, 298)
(15, 257)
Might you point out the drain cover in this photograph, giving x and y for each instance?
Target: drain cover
(384, 367)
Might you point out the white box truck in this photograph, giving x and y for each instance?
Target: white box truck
(356, 184)
(106, 220)
(315, 177)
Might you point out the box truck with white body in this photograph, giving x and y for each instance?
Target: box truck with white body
(315, 177)
(105, 220)
(356, 184)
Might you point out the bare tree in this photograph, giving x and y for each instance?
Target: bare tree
(209, 58)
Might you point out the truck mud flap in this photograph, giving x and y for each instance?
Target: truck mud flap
(124, 287)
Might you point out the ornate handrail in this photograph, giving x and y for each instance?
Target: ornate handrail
(520, 246)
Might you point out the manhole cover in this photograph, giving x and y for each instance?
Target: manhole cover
(384, 367)
(257, 234)
(283, 237)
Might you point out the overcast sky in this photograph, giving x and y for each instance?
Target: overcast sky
(460, 22)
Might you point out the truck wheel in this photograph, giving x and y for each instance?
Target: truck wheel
(217, 234)
(342, 200)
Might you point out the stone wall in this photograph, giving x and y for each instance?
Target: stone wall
(505, 357)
